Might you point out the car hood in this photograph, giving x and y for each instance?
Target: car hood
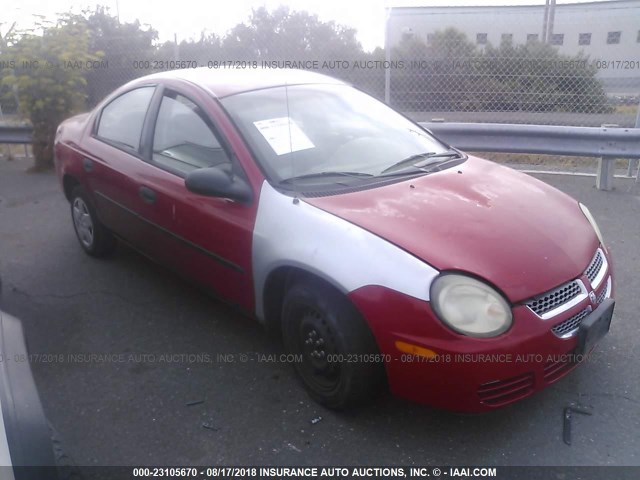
(513, 230)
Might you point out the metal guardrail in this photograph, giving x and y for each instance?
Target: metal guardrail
(16, 134)
(552, 140)
(608, 143)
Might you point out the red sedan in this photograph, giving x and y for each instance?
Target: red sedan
(381, 254)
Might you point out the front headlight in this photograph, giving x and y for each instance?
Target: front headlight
(593, 223)
(469, 306)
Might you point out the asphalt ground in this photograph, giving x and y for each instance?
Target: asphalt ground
(201, 388)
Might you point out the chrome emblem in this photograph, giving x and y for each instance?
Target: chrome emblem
(592, 297)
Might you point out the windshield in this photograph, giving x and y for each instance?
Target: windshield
(329, 134)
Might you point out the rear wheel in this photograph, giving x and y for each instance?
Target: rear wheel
(94, 238)
(338, 367)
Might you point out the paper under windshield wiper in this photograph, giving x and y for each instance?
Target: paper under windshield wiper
(326, 174)
(413, 160)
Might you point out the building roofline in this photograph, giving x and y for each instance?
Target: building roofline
(558, 5)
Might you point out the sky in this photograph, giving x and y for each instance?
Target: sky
(188, 18)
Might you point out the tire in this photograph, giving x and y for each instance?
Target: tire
(323, 326)
(93, 237)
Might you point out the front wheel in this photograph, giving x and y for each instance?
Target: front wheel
(94, 238)
(335, 344)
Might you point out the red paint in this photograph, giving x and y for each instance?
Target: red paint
(452, 382)
(517, 232)
(196, 223)
(229, 81)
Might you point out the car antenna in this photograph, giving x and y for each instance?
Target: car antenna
(286, 95)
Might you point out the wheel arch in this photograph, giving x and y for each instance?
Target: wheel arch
(69, 182)
(275, 287)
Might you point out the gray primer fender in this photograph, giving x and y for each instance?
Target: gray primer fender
(297, 234)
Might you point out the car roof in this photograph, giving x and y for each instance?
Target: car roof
(223, 82)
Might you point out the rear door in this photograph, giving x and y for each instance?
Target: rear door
(113, 163)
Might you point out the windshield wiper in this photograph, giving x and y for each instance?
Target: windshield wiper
(413, 160)
(326, 174)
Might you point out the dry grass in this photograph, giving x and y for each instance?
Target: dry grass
(11, 152)
(547, 160)
(627, 109)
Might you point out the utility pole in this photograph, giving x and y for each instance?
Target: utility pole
(552, 15)
(543, 38)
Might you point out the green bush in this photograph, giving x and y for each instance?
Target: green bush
(453, 74)
(48, 79)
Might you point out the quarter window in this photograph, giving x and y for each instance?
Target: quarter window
(183, 139)
(481, 38)
(584, 39)
(121, 120)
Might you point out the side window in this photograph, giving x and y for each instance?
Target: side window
(121, 120)
(183, 139)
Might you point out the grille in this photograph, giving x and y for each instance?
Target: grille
(501, 392)
(554, 298)
(604, 292)
(595, 266)
(571, 324)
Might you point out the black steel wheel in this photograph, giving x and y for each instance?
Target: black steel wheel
(336, 346)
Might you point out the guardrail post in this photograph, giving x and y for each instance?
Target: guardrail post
(606, 167)
(635, 160)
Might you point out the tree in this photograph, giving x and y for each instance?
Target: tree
(438, 75)
(283, 34)
(125, 50)
(451, 74)
(535, 77)
(49, 78)
(8, 100)
(207, 48)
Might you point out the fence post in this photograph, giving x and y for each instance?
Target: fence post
(606, 167)
(387, 57)
(633, 163)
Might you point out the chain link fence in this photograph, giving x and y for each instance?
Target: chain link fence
(438, 64)
(575, 64)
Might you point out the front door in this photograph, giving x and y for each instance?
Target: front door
(207, 239)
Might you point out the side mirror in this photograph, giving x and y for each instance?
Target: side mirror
(214, 182)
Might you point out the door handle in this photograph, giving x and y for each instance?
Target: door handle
(147, 195)
(87, 164)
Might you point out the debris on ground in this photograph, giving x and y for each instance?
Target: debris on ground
(209, 426)
(294, 448)
(194, 402)
(315, 420)
(566, 427)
